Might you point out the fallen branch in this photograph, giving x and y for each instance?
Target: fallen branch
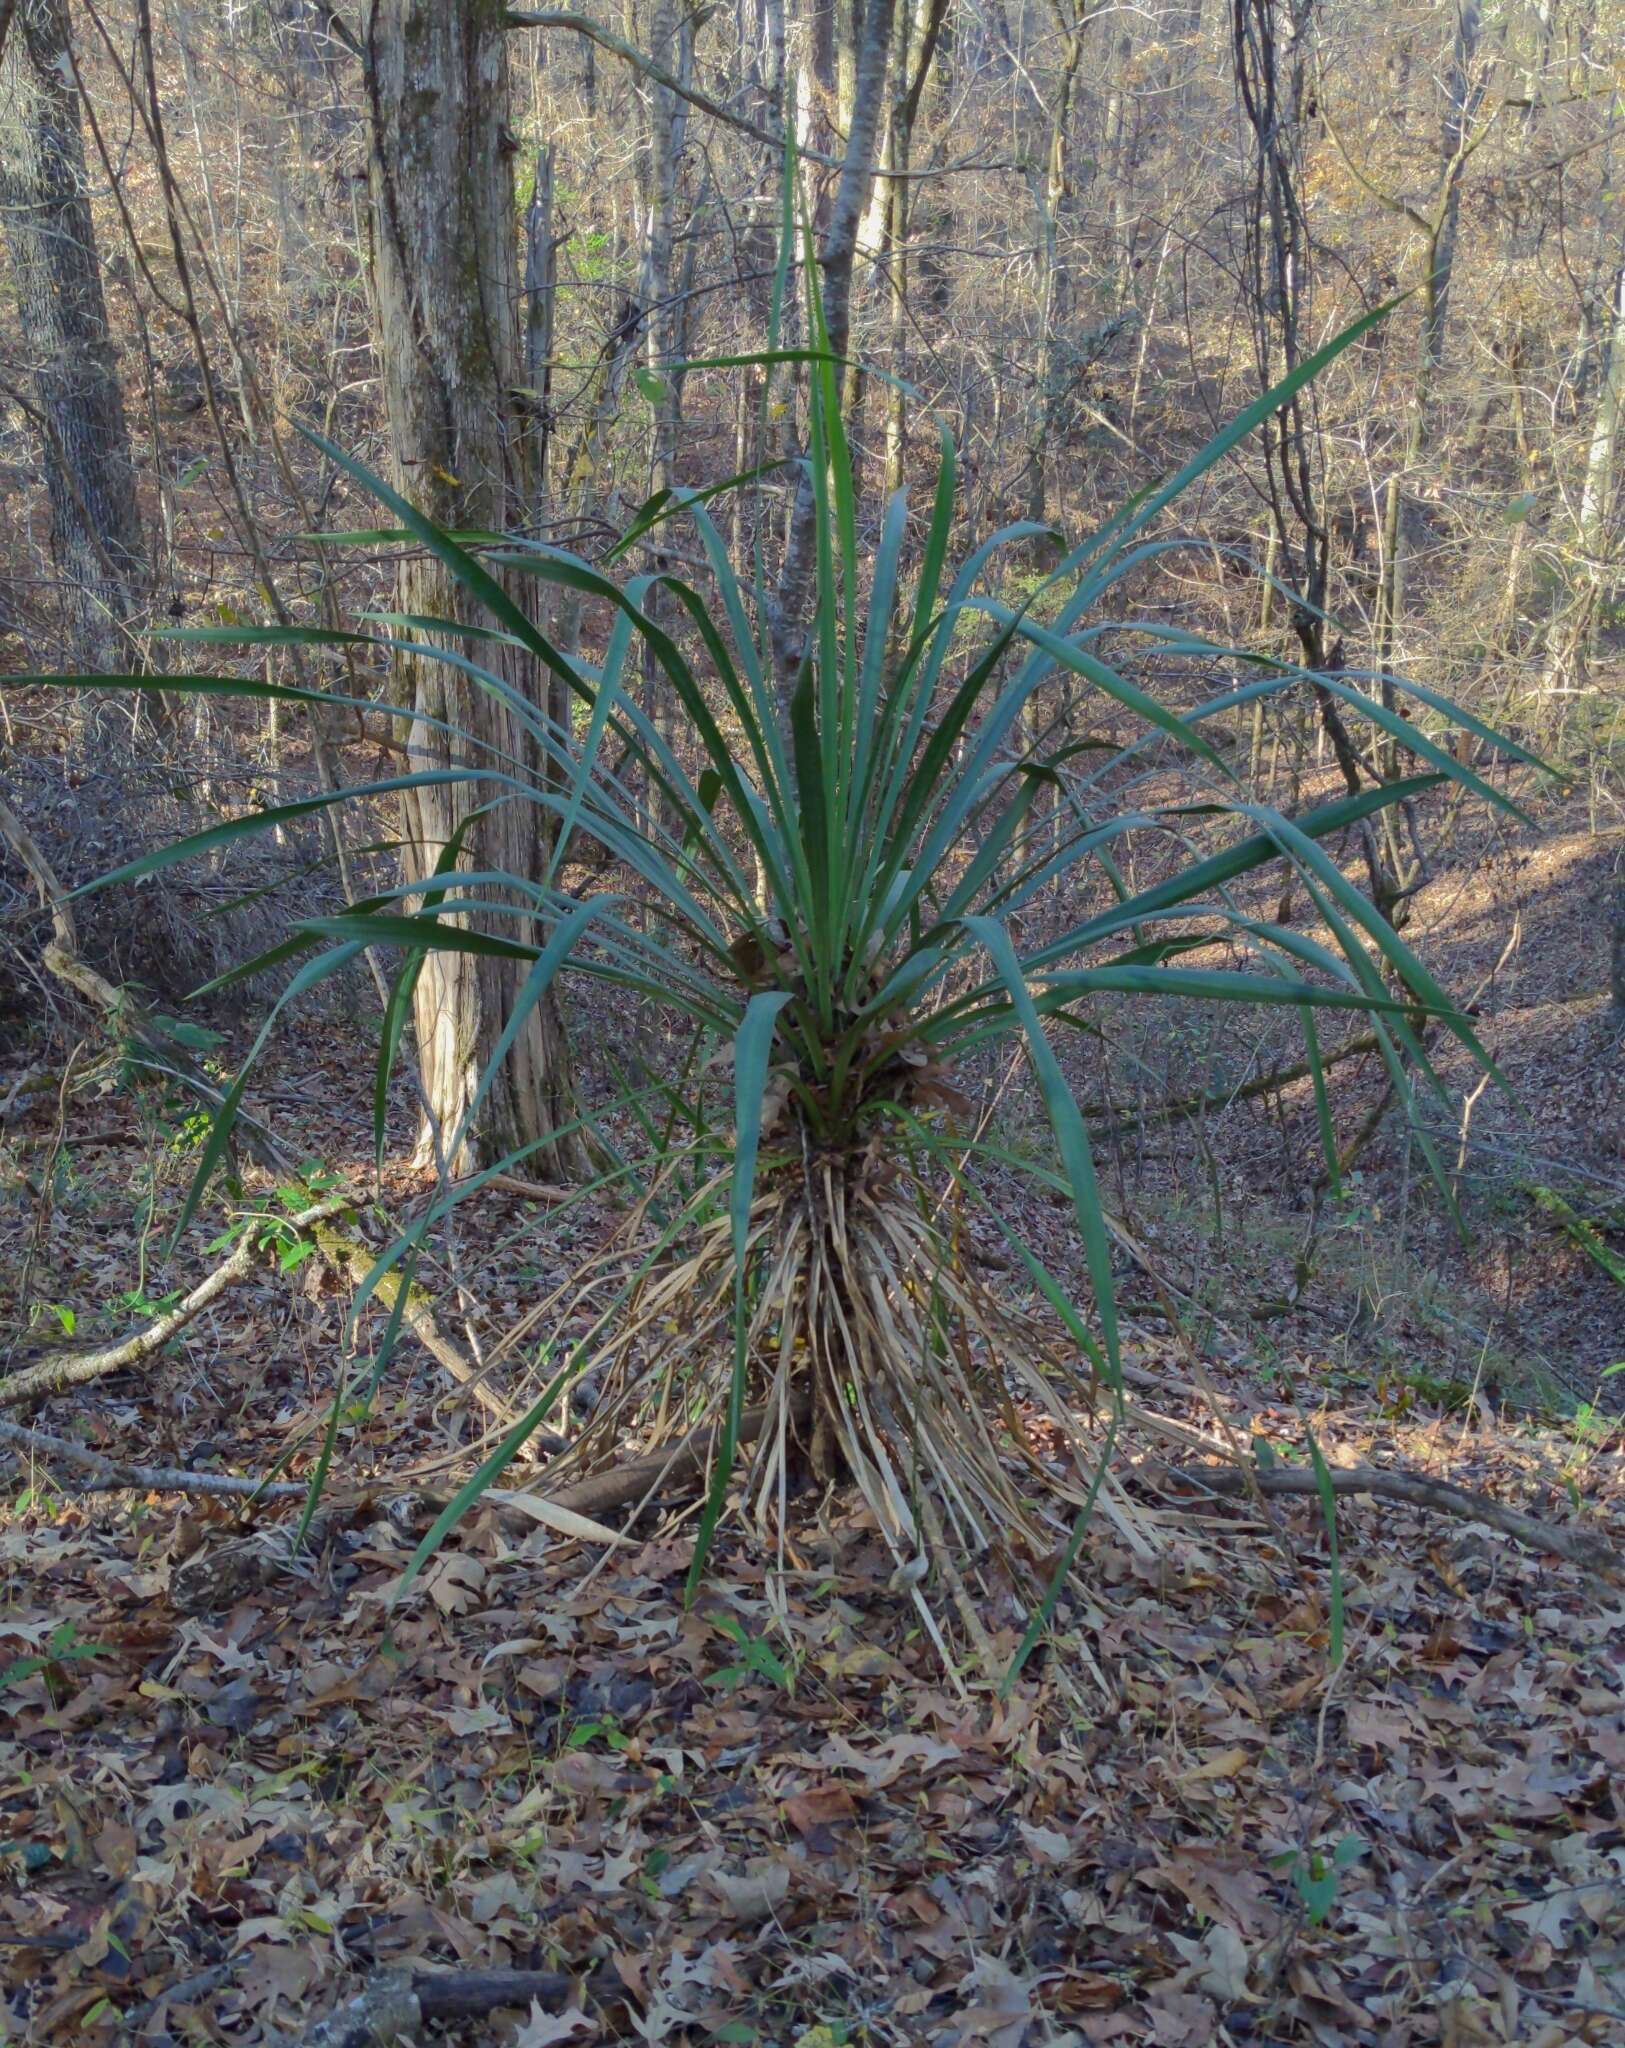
(218, 1574)
(1575, 1546)
(532, 1190)
(73, 1369)
(661, 1471)
(1225, 1098)
(354, 1259)
(107, 1475)
(395, 2003)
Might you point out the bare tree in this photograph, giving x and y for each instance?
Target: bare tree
(1271, 46)
(1460, 134)
(1053, 194)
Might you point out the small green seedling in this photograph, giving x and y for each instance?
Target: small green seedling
(1315, 1875)
(757, 1658)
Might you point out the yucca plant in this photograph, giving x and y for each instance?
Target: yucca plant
(825, 880)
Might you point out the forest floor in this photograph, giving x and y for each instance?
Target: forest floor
(774, 1817)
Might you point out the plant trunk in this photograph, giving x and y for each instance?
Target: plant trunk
(446, 293)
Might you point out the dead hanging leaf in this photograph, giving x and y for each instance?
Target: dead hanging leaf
(562, 1521)
(483, 1719)
(1223, 1763)
(1552, 1919)
(1221, 1886)
(936, 1086)
(500, 1898)
(884, 1765)
(775, 1101)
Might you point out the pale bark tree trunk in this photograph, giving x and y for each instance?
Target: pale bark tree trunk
(1052, 196)
(664, 123)
(1597, 499)
(1573, 637)
(917, 48)
(1118, 154)
(1463, 95)
(75, 403)
(835, 259)
(444, 267)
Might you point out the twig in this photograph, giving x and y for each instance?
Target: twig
(1224, 1098)
(661, 1471)
(532, 1190)
(186, 1991)
(51, 1375)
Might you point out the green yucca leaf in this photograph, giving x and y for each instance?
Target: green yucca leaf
(1404, 963)
(1065, 1122)
(253, 822)
(1141, 509)
(1068, 655)
(246, 635)
(1212, 985)
(1202, 877)
(753, 1049)
(427, 933)
(666, 504)
(1328, 1509)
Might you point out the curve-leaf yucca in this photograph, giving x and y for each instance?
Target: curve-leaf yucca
(826, 878)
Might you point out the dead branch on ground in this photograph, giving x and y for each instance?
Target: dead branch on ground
(108, 1475)
(396, 2003)
(74, 1369)
(1576, 1546)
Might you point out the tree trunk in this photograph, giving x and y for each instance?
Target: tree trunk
(917, 47)
(446, 292)
(835, 259)
(664, 123)
(1052, 203)
(1575, 640)
(77, 409)
(1463, 95)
